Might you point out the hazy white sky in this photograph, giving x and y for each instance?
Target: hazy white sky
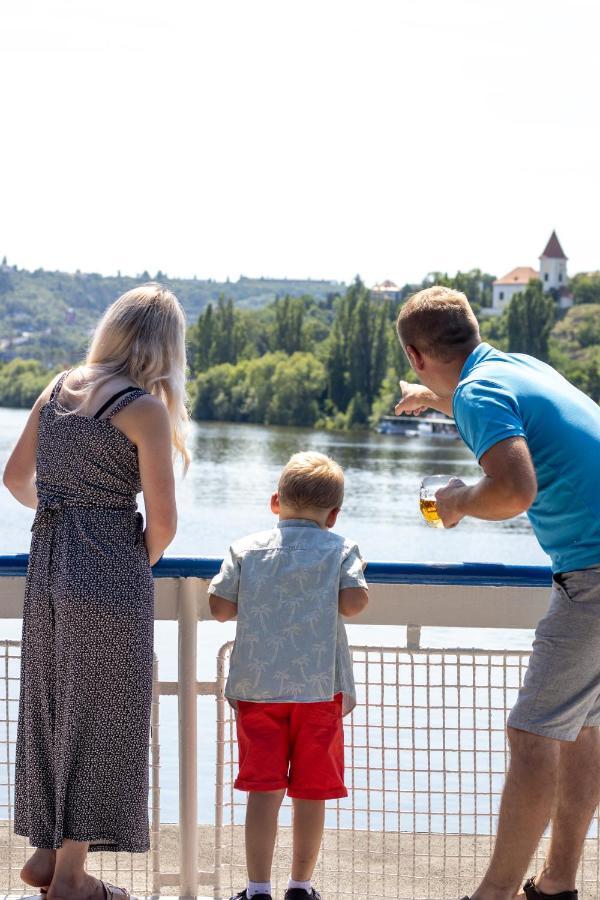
(306, 138)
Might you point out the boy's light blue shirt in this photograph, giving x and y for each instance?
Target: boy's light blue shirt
(502, 395)
(291, 644)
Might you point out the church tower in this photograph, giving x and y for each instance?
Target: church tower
(553, 266)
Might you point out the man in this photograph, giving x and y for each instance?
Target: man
(537, 439)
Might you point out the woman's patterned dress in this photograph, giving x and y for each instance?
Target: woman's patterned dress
(86, 673)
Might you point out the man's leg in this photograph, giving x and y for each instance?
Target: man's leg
(261, 830)
(577, 797)
(527, 803)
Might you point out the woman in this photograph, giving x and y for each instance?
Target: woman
(96, 436)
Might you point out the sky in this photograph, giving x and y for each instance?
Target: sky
(298, 138)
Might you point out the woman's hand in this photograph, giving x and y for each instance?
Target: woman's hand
(146, 422)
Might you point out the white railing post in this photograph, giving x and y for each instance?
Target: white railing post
(187, 700)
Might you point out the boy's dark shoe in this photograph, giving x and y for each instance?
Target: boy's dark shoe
(243, 895)
(532, 893)
(301, 894)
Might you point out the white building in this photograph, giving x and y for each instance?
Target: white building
(552, 274)
(386, 290)
(512, 283)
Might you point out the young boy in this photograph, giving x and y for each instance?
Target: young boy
(290, 678)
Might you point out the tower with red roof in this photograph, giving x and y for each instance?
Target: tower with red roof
(552, 274)
(553, 267)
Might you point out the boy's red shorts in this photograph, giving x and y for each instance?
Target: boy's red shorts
(298, 746)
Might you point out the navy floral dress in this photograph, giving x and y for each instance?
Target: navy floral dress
(86, 672)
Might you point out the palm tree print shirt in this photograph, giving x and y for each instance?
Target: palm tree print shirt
(290, 644)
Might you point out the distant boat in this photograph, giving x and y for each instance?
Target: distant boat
(424, 426)
(438, 427)
(404, 426)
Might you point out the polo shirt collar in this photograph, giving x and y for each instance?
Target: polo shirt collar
(297, 523)
(480, 351)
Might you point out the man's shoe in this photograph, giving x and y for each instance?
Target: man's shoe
(532, 893)
(301, 894)
(243, 895)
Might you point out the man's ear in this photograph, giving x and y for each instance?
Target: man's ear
(275, 505)
(332, 517)
(415, 358)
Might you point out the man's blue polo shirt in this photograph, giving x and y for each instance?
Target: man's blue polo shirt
(504, 395)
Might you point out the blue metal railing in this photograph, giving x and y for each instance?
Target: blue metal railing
(472, 574)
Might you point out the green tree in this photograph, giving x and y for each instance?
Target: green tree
(287, 332)
(22, 381)
(586, 287)
(356, 360)
(530, 317)
(298, 387)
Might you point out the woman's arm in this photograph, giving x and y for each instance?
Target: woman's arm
(146, 422)
(19, 472)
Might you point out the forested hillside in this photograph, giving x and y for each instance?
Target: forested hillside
(329, 360)
(49, 315)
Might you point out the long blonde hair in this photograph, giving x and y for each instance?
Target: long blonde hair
(141, 337)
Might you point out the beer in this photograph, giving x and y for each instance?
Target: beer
(429, 487)
(430, 513)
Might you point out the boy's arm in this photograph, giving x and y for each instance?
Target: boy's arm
(221, 609)
(353, 600)
(227, 583)
(354, 593)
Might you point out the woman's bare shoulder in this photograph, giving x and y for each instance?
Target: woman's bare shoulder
(147, 415)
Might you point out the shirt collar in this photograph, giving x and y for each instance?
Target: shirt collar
(297, 523)
(480, 351)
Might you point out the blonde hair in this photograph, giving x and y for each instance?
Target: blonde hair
(438, 321)
(311, 480)
(141, 337)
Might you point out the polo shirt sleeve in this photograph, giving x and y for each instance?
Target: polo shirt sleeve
(227, 583)
(485, 414)
(351, 574)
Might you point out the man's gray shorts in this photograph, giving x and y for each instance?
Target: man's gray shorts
(561, 690)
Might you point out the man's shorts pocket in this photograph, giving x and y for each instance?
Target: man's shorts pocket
(581, 586)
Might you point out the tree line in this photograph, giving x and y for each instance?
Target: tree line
(334, 361)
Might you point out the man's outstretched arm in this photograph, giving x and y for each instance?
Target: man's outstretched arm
(508, 487)
(416, 398)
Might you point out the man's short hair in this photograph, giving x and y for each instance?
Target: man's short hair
(311, 480)
(438, 321)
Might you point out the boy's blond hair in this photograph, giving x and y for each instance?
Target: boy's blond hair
(311, 480)
(438, 321)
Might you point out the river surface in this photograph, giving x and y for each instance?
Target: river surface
(225, 495)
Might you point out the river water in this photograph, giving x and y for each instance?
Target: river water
(226, 494)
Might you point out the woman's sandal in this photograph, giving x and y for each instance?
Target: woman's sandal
(532, 893)
(114, 893)
(110, 891)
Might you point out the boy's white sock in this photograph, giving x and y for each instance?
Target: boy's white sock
(258, 887)
(304, 885)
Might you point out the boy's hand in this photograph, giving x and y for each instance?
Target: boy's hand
(415, 399)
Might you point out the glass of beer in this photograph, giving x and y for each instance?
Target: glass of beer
(429, 486)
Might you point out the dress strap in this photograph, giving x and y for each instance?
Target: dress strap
(133, 394)
(58, 385)
(112, 399)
